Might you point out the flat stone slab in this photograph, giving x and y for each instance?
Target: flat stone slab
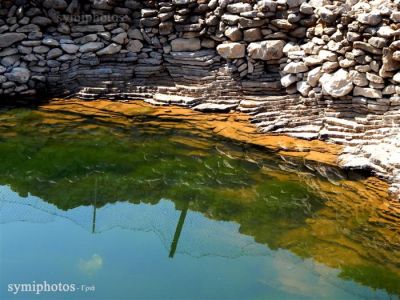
(175, 99)
(212, 107)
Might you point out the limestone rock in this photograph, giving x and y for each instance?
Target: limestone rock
(367, 92)
(54, 53)
(396, 77)
(134, 46)
(91, 47)
(266, 50)
(371, 18)
(237, 8)
(337, 84)
(8, 39)
(181, 44)
(295, 67)
(70, 48)
(110, 49)
(55, 4)
(288, 80)
(313, 76)
(359, 79)
(231, 50)
(303, 87)
(20, 75)
(120, 38)
(234, 33)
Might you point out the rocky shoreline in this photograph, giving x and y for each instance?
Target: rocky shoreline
(318, 69)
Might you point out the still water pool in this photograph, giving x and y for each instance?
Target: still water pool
(137, 211)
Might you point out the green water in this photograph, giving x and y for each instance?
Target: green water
(137, 211)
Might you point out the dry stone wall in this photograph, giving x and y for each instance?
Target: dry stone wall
(314, 69)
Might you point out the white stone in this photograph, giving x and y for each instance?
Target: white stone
(288, 80)
(326, 55)
(337, 84)
(313, 76)
(385, 32)
(371, 18)
(303, 87)
(367, 92)
(396, 77)
(266, 50)
(231, 50)
(359, 79)
(295, 67)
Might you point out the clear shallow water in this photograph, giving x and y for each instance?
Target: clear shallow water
(147, 213)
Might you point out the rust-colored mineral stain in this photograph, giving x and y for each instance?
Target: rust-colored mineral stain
(234, 126)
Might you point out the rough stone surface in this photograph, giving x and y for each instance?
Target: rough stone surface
(192, 44)
(231, 50)
(266, 50)
(337, 84)
(332, 65)
(19, 75)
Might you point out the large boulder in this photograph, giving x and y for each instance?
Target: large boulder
(7, 39)
(231, 50)
(181, 44)
(337, 84)
(20, 75)
(266, 50)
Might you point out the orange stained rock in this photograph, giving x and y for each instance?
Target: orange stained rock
(234, 125)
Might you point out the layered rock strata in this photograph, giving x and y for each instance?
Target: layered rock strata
(315, 69)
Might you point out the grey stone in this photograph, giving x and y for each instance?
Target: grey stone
(20, 75)
(110, 49)
(28, 28)
(91, 47)
(8, 39)
(41, 49)
(55, 4)
(180, 44)
(134, 46)
(41, 21)
(121, 38)
(50, 42)
(70, 48)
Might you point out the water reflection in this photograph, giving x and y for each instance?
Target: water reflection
(227, 200)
